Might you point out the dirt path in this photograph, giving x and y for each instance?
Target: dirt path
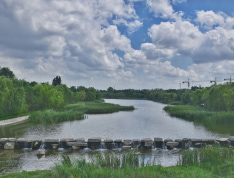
(14, 120)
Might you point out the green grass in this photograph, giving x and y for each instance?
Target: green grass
(76, 112)
(206, 162)
(200, 115)
(97, 107)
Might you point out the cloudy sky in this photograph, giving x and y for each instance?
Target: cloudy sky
(120, 43)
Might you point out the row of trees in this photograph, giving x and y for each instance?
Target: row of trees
(215, 98)
(19, 96)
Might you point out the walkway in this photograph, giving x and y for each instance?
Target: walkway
(14, 120)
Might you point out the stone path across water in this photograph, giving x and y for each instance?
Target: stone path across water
(14, 120)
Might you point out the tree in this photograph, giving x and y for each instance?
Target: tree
(5, 71)
(110, 89)
(57, 81)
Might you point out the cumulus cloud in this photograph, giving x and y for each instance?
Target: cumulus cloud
(180, 36)
(80, 40)
(208, 19)
(161, 8)
(72, 34)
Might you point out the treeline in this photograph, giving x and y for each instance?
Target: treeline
(214, 98)
(20, 96)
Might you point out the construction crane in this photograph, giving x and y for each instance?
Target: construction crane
(230, 80)
(187, 83)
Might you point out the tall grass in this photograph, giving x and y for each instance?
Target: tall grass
(76, 112)
(97, 107)
(219, 161)
(206, 163)
(51, 116)
(200, 115)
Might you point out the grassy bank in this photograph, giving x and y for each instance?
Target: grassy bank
(199, 114)
(206, 162)
(76, 112)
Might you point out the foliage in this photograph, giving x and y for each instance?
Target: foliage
(57, 81)
(12, 97)
(18, 97)
(6, 72)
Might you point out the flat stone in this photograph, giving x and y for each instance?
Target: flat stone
(136, 140)
(3, 139)
(117, 140)
(185, 140)
(108, 140)
(67, 140)
(127, 142)
(146, 140)
(21, 140)
(195, 140)
(208, 141)
(178, 140)
(9, 146)
(231, 138)
(82, 140)
(158, 139)
(52, 140)
(126, 147)
(168, 140)
(172, 144)
(222, 139)
(40, 152)
(94, 139)
(12, 139)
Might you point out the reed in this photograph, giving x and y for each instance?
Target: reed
(51, 116)
(97, 107)
(76, 112)
(207, 162)
(217, 160)
(199, 115)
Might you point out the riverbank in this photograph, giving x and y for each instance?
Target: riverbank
(206, 162)
(218, 122)
(200, 115)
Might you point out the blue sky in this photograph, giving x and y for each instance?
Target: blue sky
(123, 43)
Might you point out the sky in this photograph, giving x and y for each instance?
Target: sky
(139, 44)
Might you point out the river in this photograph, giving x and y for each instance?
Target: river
(148, 120)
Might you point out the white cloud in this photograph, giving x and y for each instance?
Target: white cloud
(178, 1)
(208, 19)
(132, 26)
(180, 36)
(161, 8)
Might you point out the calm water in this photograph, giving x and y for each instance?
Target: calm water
(148, 120)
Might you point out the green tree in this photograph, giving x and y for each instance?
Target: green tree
(91, 94)
(5, 71)
(57, 81)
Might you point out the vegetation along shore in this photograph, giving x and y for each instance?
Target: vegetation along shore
(207, 162)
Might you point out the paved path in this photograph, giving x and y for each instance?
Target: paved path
(15, 120)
